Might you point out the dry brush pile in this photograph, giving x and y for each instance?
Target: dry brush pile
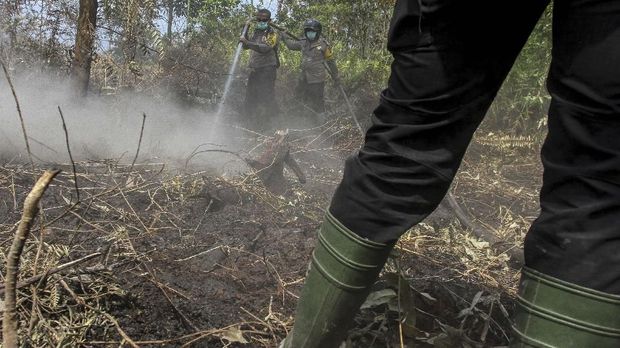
(71, 276)
(112, 237)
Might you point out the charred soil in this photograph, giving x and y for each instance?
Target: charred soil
(189, 258)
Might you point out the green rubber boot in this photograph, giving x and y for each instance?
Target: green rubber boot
(342, 270)
(552, 313)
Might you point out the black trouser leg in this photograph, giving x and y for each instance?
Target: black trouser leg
(449, 63)
(569, 294)
(312, 95)
(316, 96)
(260, 101)
(443, 80)
(577, 236)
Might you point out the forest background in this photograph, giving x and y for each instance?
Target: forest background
(182, 49)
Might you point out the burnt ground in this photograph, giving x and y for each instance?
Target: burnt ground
(189, 258)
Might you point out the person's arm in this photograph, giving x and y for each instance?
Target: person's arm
(271, 40)
(291, 44)
(244, 37)
(245, 42)
(330, 63)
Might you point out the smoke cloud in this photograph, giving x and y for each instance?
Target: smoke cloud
(107, 127)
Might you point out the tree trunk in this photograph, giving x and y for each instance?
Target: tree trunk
(170, 19)
(10, 12)
(131, 30)
(188, 24)
(84, 45)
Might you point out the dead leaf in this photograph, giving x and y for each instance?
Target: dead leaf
(478, 244)
(233, 334)
(427, 296)
(378, 298)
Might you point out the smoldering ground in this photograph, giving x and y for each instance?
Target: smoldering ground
(212, 250)
(108, 127)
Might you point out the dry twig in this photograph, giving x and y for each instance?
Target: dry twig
(64, 128)
(50, 271)
(31, 207)
(135, 158)
(19, 113)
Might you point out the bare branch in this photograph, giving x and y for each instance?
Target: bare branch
(51, 271)
(19, 113)
(135, 158)
(64, 128)
(31, 207)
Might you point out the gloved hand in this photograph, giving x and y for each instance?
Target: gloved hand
(337, 81)
(243, 40)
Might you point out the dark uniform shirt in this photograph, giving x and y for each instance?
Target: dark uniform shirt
(314, 56)
(264, 49)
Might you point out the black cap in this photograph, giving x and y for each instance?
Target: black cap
(265, 11)
(313, 24)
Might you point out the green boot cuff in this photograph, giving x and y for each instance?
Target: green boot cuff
(346, 260)
(552, 313)
(342, 270)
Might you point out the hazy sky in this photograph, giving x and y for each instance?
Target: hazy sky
(180, 23)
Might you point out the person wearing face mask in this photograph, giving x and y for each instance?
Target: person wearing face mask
(316, 63)
(260, 101)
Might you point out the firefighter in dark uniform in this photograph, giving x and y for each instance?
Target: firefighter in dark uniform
(260, 100)
(450, 59)
(317, 61)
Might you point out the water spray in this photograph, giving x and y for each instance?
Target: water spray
(233, 68)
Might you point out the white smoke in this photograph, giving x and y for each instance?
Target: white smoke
(105, 127)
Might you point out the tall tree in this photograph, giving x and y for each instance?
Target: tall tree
(84, 44)
(170, 11)
(10, 14)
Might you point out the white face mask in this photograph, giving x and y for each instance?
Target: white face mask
(262, 25)
(311, 35)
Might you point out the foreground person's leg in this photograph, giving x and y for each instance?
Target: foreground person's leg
(343, 266)
(448, 65)
(570, 289)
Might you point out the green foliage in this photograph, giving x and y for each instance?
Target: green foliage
(522, 103)
(136, 52)
(213, 14)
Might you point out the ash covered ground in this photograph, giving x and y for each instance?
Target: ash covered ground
(202, 254)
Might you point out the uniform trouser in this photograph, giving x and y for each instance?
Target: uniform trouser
(312, 94)
(260, 100)
(450, 58)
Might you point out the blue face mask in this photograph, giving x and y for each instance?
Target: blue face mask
(311, 35)
(262, 25)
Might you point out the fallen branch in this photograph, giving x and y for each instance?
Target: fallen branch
(515, 254)
(199, 254)
(49, 272)
(31, 207)
(184, 319)
(198, 335)
(120, 330)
